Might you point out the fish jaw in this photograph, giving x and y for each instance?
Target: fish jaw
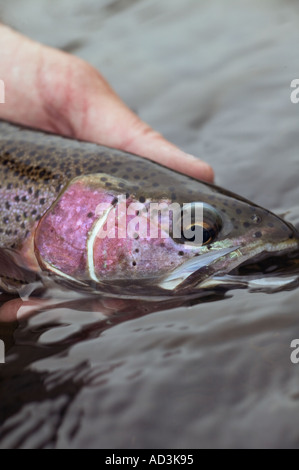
(226, 256)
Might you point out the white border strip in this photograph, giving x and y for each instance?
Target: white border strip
(2, 92)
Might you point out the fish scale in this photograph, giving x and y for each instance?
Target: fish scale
(39, 172)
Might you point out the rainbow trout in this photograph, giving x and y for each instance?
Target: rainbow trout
(67, 208)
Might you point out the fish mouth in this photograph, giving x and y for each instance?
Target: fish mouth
(273, 258)
(197, 272)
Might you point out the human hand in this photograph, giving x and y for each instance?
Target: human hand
(57, 92)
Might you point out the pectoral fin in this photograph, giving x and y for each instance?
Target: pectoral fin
(13, 276)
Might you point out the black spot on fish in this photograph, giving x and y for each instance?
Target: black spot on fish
(238, 211)
(246, 224)
(258, 234)
(90, 214)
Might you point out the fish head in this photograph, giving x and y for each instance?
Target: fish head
(112, 235)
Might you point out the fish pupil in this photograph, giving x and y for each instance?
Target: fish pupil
(206, 236)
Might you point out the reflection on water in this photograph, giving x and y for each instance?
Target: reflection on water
(80, 364)
(212, 372)
(41, 361)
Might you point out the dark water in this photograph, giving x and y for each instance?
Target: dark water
(214, 77)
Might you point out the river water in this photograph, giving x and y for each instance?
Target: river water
(214, 77)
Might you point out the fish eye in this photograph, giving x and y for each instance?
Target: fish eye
(198, 224)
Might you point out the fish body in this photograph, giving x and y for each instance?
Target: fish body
(67, 208)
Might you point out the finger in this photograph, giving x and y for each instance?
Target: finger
(110, 122)
(17, 309)
(66, 95)
(83, 105)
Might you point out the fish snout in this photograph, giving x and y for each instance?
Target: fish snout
(279, 234)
